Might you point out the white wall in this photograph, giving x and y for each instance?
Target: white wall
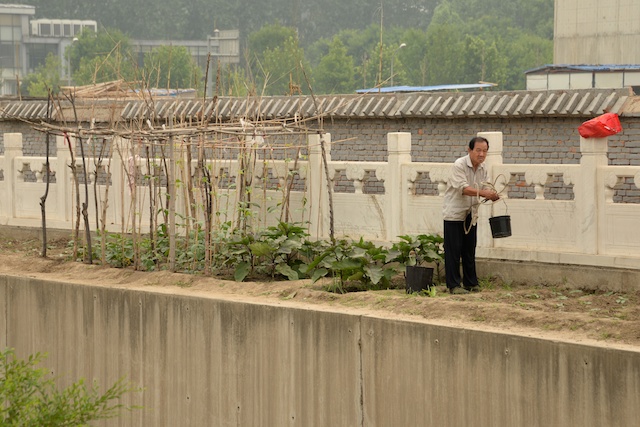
(597, 32)
(589, 230)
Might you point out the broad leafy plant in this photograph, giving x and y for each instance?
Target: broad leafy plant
(421, 249)
(359, 262)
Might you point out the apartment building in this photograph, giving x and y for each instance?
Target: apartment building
(25, 43)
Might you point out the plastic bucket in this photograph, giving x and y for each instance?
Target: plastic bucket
(418, 278)
(500, 226)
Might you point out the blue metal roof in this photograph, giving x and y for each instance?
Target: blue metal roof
(425, 88)
(583, 67)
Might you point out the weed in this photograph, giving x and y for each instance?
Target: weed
(430, 292)
(622, 299)
(486, 283)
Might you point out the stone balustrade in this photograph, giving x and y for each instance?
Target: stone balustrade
(591, 227)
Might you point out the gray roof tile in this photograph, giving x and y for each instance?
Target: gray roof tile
(582, 103)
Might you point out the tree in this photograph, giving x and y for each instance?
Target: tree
(414, 56)
(483, 62)
(335, 73)
(445, 47)
(283, 70)
(524, 52)
(46, 77)
(101, 57)
(28, 397)
(372, 67)
(171, 67)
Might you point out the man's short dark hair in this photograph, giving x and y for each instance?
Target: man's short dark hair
(475, 139)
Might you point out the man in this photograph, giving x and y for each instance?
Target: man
(460, 212)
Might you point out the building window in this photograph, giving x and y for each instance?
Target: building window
(7, 56)
(45, 29)
(37, 54)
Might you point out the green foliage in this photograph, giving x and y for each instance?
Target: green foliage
(419, 250)
(445, 46)
(414, 56)
(46, 77)
(361, 264)
(335, 73)
(451, 41)
(29, 397)
(119, 250)
(483, 61)
(283, 251)
(101, 57)
(282, 70)
(278, 251)
(372, 68)
(269, 37)
(171, 67)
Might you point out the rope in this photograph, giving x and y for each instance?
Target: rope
(474, 213)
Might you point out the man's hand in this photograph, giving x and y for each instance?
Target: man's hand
(490, 195)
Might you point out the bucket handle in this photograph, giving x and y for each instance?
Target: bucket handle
(493, 186)
(505, 206)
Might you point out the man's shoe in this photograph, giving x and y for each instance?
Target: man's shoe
(475, 288)
(458, 290)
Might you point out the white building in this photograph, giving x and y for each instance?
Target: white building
(559, 77)
(25, 44)
(596, 32)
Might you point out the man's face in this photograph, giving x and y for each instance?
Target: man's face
(479, 152)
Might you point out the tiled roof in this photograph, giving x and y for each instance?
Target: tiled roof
(581, 103)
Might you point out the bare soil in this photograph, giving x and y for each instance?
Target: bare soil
(550, 311)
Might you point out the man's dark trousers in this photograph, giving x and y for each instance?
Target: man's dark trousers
(460, 245)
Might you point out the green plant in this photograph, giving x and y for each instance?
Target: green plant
(279, 251)
(29, 397)
(420, 249)
(362, 262)
(431, 291)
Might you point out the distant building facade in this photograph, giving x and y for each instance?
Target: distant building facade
(563, 77)
(25, 44)
(596, 45)
(596, 32)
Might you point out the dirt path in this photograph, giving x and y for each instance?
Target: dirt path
(551, 311)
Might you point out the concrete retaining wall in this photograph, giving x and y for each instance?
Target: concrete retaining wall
(218, 362)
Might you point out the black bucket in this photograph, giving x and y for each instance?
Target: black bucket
(500, 226)
(418, 278)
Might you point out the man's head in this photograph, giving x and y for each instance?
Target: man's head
(478, 147)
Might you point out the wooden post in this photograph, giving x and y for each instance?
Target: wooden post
(171, 188)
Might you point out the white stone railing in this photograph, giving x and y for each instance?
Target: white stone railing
(590, 229)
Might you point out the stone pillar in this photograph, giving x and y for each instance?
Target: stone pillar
(589, 195)
(317, 186)
(494, 158)
(119, 191)
(12, 150)
(64, 184)
(399, 153)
